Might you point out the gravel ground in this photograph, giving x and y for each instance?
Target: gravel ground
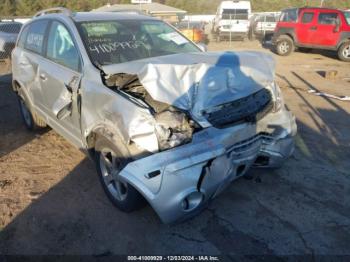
(51, 201)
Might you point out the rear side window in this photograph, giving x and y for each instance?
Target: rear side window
(35, 36)
(23, 36)
(347, 17)
(328, 18)
(307, 18)
(270, 19)
(61, 48)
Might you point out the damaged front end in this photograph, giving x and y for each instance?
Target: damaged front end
(204, 122)
(170, 126)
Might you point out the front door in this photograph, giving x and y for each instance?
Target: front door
(306, 27)
(60, 77)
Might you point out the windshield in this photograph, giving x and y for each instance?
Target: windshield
(347, 17)
(114, 42)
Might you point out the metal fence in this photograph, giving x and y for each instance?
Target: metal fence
(9, 29)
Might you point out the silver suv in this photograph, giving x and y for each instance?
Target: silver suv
(163, 120)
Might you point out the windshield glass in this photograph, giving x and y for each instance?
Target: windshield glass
(347, 17)
(114, 42)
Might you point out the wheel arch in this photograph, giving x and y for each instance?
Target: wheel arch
(286, 32)
(19, 89)
(108, 131)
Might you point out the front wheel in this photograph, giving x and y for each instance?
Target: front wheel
(110, 160)
(344, 52)
(285, 46)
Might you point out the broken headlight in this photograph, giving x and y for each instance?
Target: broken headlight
(278, 102)
(173, 128)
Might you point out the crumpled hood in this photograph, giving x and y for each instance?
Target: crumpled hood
(198, 81)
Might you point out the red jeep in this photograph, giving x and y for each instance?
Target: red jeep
(313, 28)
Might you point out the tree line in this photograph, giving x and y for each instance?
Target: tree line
(30, 7)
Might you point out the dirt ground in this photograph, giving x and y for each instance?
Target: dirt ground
(51, 201)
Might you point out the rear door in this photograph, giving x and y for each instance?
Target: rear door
(328, 25)
(28, 55)
(60, 76)
(306, 27)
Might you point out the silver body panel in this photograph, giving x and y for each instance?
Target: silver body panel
(192, 82)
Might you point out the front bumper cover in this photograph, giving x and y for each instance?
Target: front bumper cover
(190, 175)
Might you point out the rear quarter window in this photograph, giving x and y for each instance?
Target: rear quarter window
(347, 17)
(327, 18)
(34, 39)
(22, 37)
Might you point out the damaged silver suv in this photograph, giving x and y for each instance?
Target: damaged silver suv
(163, 121)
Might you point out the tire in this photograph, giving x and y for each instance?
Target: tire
(344, 52)
(112, 158)
(284, 46)
(30, 119)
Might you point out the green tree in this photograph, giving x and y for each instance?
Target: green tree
(8, 7)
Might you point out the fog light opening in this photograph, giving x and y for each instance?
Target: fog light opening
(262, 161)
(240, 170)
(192, 201)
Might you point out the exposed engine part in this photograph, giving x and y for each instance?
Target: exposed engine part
(131, 85)
(172, 129)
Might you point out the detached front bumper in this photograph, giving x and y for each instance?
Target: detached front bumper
(179, 182)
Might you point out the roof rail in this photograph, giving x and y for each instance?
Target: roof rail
(54, 10)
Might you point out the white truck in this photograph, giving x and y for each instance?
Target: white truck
(232, 19)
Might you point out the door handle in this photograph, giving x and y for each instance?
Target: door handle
(43, 77)
(313, 28)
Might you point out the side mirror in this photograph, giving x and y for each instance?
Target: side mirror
(202, 47)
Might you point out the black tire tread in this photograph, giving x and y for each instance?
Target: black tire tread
(134, 199)
(340, 52)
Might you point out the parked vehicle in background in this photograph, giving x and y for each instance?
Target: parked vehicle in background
(232, 20)
(313, 28)
(162, 120)
(194, 31)
(8, 36)
(262, 26)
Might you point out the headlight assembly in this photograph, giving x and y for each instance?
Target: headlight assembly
(278, 102)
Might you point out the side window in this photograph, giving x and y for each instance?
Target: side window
(307, 18)
(35, 36)
(328, 18)
(61, 48)
(22, 38)
(290, 15)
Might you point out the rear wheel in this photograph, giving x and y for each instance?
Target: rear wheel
(30, 119)
(110, 160)
(284, 46)
(344, 52)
